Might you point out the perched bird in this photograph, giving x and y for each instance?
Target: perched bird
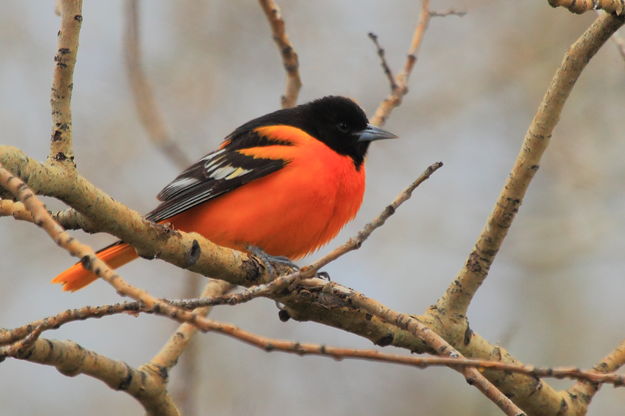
(284, 183)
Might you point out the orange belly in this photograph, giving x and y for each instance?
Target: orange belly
(291, 212)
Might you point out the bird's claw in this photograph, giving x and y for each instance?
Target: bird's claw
(269, 261)
(324, 275)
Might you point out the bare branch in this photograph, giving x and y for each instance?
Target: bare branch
(401, 80)
(72, 359)
(385, 67)
(592, 377)
(303, 303)
(289, 56)
(355, 242)
(69, 315)
(87, 256)
(168, 356)
(448, 12)
(433, 340)
(15, 210)
(43, 219)
(582, 6)
(150, 115)
(179, 342)
(149, 239)
(461, 291)
(91, 262)
(62, 83)
(69, 218)
(587, 388)
(153, 122)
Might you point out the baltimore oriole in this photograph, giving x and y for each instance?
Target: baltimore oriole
(285, 183)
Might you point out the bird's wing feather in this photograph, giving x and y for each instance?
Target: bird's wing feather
(217, 173)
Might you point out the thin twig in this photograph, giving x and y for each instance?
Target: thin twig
(69, 315)
(149, 113)
(174, 347)
(352, 244)
(355, 242)
(393, 100)
(589, 376)
(448, 12)
(289, 56)
(385, 67)
(460, 292)
(62, 84)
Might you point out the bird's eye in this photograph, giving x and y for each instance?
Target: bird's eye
(342, 127)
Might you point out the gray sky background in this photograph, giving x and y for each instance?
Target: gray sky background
(554, 295)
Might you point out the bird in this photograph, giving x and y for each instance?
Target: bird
(283, 184)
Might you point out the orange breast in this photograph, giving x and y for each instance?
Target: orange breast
(290, 212)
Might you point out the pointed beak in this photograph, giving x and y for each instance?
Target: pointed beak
(372, 133)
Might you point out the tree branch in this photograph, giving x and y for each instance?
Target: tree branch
(186, 250)
(304, 302)
(149, 114)
(65, 59)
(599, 375)
(586, 389)
(169, 354)
(431, 338)
(582, 6)
(448, 12)
(385, 67)
(42, 218)
(355, 242)
(69, 219)
(88, 258)
(180, 341)
(71, 359)
(15, 210)
(401, 80)
(458, 296)
(289, 56)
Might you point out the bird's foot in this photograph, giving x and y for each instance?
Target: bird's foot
(270, 262)
(324, 275)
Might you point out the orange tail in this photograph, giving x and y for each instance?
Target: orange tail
(77, 277)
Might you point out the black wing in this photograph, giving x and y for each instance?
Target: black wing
(217, 173)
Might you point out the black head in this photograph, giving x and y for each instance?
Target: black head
(337, 121)
(341, 124)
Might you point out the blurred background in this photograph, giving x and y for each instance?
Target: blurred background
(554, 295)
